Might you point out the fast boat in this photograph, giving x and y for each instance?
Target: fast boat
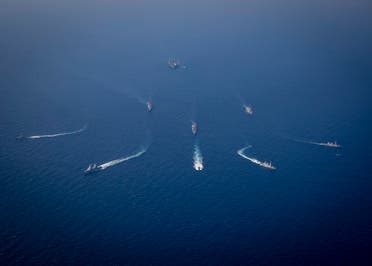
(149, 106)
(194, 128)
(92, 168)
(174, 63)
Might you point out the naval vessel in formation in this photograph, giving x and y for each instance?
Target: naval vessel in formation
(149, 106)
(198, 166)
(330, 144)
(194, 128)
(248, 109)
(92, 168)
(174, 63)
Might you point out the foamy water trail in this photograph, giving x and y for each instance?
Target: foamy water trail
(117, 161)
(254, 160)
(59, 134)
(324, 144)
(198, 159)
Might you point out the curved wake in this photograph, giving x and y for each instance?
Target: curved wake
(198, 159)
(59, 134)
(254, 160)
(117, 161)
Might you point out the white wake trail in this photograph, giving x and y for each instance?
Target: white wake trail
(254, 160)
(117, 161)
(198, 159)
(58, 134)
(324, 144)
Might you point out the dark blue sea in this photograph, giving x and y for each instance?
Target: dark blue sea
(304, 67)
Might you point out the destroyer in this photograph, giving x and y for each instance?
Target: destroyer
(92, 168)
(268, 165)
(262, 164)
(149, 106)
(194, 128)
(330, 144)
(198, 166)
(248, 109)
(174, 63)
(324, 144)
(254, 160)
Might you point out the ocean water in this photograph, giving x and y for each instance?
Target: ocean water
(304, 67)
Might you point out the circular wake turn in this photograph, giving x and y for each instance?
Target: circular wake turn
(254, 160)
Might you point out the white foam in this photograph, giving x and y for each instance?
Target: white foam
(58, 134)
(254, 160)
(198, 159)
(117, 161)
(324, 144)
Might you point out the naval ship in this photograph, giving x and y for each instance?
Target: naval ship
(267, 165)
(248, 109)
(174, 63)
(198, 166)
(149, 106)
(330, 144)
(92, 168)
(194, 128)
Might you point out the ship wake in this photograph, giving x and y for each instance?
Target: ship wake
(59, 134)
(198, 158)
(324, 144)
(254, 160)
(121, 160)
